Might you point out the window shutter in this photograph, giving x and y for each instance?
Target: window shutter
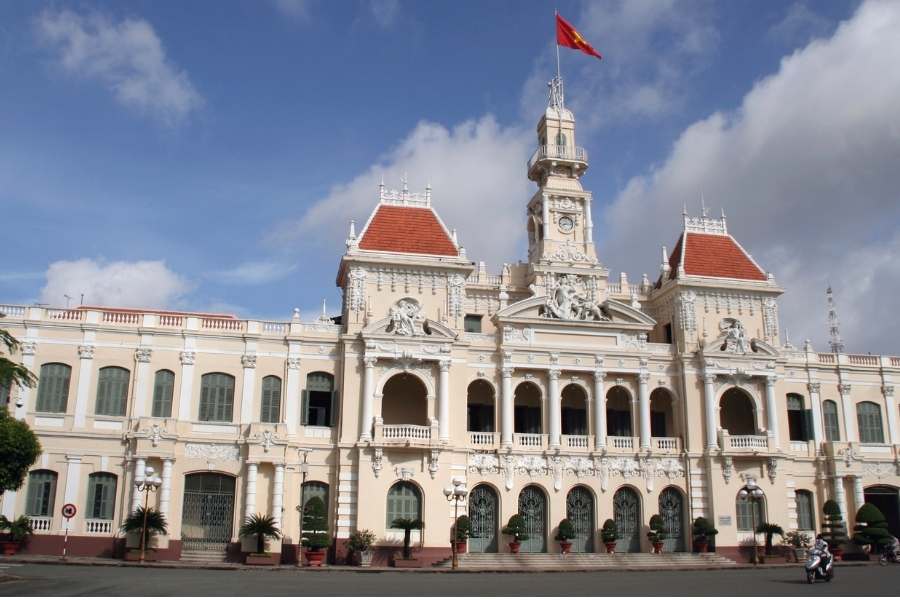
(808, 425)
(31, 500)
(332, 414)
(304, 408)
(109, 497)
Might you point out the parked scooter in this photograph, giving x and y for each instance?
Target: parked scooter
(820, 564)
(890, 553)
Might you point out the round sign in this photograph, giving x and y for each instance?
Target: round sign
(69, 510)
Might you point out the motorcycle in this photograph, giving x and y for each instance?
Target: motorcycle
(819, 566)
(888, 555)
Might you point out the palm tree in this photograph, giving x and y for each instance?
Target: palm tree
(770, 529)
(156, 523)
(407, 525)
(262, 526)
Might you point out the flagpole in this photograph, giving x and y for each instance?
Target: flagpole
(556, 43)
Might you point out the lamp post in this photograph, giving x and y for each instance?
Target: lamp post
(145, 482)
(752, 493)
(455, 492)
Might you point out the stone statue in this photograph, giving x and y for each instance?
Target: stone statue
(735, 337)
(405, 316)
(568, 303)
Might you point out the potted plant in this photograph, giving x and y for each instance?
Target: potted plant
(770, 530)
(702, 531)
(17, 532)
(407, 525)
(315, 531)
(609, 533)
(564, 533)
(261, 526)
(797, 542)
(156, 524)
(516, 528)
(871, 527)
(834, 530)
(657, 533)
(463, 530)
(360, 547)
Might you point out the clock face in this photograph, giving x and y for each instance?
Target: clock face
(566, 224)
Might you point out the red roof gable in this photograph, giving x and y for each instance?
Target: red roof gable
(407, 229)
(713, 255)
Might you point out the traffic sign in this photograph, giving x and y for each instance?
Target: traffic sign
(69, 510)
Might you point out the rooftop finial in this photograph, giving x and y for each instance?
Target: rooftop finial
(834, 327)
(352, 235)
(557, 96)
(703, 210)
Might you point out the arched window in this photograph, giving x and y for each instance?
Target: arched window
(618, 412)
(41, 493)
(868, 417)
(112, 391)
(163, 391)
(832, 425)
(737, 413)
(799, 419)
(270, 406)
(216, 397)
(403, 502)
(746, 518)
(318, 400)
(527, 408)
(314, 489)
(53, 388)
(480, 406)
(574, 410)
(806, 520)
(560, 139)
(101, 496)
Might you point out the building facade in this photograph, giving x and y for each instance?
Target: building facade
(554, 390)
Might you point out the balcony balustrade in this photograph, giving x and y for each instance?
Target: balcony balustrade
(530, 441)
(98, 526)
(575, 154)
(619, 443)
(482, 439)
(41, 524)
(405, 434)
(576, 442)
(669, 445)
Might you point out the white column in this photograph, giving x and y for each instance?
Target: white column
(588, 222)
(165, 490)
(644, 400)
(772, 411)
(599, 410)
(709, 402)
(841, 498)
(816, 406)
(140, 406)
(278, 495)
(555, 407)
(85, 371)
(891, 408)
(545, 216)
(444, 400)
(292, 397)
(859, 497)
(185, 394)
(506, 409)
(368, 400)
(139, 465)
(247, 393)
(250, 491)
(24, 394)
(849, 418)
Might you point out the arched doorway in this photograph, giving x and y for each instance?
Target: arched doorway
(404, 401)
(662, 414)
(480, 404)
(527, 411)
(484, 515)
(618, 412)
(533, 508)
(627, 515)
(580, 511)
(671, 509)
(574, 410)
(737, 414)
(886, 499)
(207, 511)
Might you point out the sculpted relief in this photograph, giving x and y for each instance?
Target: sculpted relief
(569, 301)
(406, 318)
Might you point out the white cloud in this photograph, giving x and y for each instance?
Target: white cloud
(254, 272)
(799, 25)
(477, 172)
(126, 56)
(295, 9)
(807, 170)
(385, 12)
(141, 284)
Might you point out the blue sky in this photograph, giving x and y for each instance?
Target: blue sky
(207, 155)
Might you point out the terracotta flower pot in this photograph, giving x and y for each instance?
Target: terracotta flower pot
(657, 547)
(11, 547)
(610, 547)
(514, 547)
(565, 546)
(702, 547)
(315, 557)
(461, 546)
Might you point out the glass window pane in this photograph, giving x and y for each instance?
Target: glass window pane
(830, 416)
(805, 519)
(745, 518)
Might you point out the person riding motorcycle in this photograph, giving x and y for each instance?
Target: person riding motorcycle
(890, 551)
(818, 565)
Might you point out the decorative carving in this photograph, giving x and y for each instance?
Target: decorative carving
(557, 469)
(266, 439)
(406, 318)
(686, 313)
(154, 433)
(509, 471)
(377, 459)
(223, 452)
(888, 391)
(434, 462)
(187, 357)
(483, 462)
(521, 336)
(403, 473)
(604, 473)
(814, 387)
(568, 252)
(86, 351)
(28, 348)
(579, 466)
(770, 318)
(357, 296)
(878, 470)
(735, 338)
(772, 468)
(142, 355)
(456, 288)
(566, 302)
(249, 361)
(531, 465)
(844, 389)
(293, 362)
(728, 469)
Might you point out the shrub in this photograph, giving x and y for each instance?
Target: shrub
(463, 528)
(516, 528)
(360, 541)
(703, 530)
(156, 523)
(566, 531)
(658, 530)
(19, 529)
(609, 533)
(315, 524)
(871, 526)
(262, 526)
(834, 530)
(797, 539)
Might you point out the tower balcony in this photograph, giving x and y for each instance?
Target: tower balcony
(573, 155)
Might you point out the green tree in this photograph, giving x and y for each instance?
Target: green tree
(657, 529)
(19, 446)
(156, 523)
(834, 530)
(566, 531)
(871, 526)
(12, 372)
(315, 524)
(516, 528)
(770, 530)
(407, 525)
(262, 526)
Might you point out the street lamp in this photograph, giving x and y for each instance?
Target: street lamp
(145, 482)
(455, 493)
(753, 494)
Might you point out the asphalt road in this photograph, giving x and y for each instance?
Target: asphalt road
(65, 580)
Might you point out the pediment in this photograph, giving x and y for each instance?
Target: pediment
(732, 340)
(612, 312)
(430, 330)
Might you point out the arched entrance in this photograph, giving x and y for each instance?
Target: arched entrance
(671, 509)
(480, 404)
(662, 414)
(404, 401)
(580, 511)
(484, 514)
(886, 499)
(737, 414)
(574, 410)
(627, 515)
(533, 508)
(618, 412)
(207, 511)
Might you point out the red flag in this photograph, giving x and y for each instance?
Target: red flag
(568, 37)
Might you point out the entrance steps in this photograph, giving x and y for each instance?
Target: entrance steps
(612, 562)
(203, 556)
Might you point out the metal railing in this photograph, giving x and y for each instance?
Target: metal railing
(576, 153)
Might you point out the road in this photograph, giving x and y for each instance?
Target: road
(67, 580)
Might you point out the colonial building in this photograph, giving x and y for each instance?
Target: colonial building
(554, 390)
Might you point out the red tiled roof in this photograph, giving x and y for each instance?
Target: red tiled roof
(408, 229)
(712, 255)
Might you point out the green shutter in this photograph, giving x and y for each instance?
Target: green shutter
(112, 391)
(163, 392)
(53, 388)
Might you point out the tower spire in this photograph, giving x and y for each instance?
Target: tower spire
(834, 331)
